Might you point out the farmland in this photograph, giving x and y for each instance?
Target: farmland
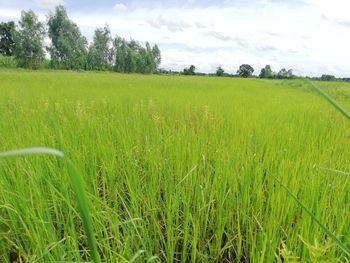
(175, 168)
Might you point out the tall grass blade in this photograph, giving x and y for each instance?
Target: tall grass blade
(330, 100)
(325, 229)
(335, 171)
(30, 151)
(77, 185)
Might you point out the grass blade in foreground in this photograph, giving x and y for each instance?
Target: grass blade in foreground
(331, 101)
(77, 185)
(325, 229)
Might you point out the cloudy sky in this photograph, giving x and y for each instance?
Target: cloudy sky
(310, 36)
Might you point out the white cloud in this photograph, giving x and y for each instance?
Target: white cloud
(49, 3)
(173, 25)
(120, 7)
(8, 13)
(335, 9)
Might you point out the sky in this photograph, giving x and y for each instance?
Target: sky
(310, 36)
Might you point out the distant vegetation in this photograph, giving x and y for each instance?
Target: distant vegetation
(22, 45)
(268, 73)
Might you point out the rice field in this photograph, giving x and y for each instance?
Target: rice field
(175, 169)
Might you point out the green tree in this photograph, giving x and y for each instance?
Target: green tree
(130, 60)
(326, 77)
(245, 71)
(120, 48)
(7, 43)
(285, 74)
(29, 41)
(266, 72)
(100, 56)
(220, 71)
(157, 58)
(190, 70)
(130, 56)
(68, 46)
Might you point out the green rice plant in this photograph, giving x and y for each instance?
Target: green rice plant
(77, 185)
(329, 233)
(175, 169)
(325, 229)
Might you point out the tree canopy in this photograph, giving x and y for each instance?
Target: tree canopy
(68, 47)
(266, 72)
(190, 70)
(100, 54)
(220, 71)
(29, 40)
(245, 71)
(7, 43)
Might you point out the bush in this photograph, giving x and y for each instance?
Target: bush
(8, 62)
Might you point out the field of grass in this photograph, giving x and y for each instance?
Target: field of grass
(175, 168)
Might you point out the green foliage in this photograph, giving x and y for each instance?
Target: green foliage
(175, 168)
(131, 57)
(285, 74)
(326, 77)
(245, 71)
(266, 72)
(29, 41)
(156, 56)
(220, 71)
(190, 70)
(7, 43)
(100, 55)
(7, 62)
(68, 48)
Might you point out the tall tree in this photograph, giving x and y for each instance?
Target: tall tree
(131, 56)
(245, 71)
(220, 71)
(29, 41)
(148, 58)
(120, 48)
(7, 43)
(190, 70)
(68, 46)
(266, 72)
(157, 58)
(100, 56)
(285, 74)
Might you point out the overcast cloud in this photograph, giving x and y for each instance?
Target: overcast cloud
(310, 36)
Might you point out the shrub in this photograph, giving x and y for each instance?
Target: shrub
(7, 62)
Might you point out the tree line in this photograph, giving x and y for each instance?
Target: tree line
(69, 49)
(246, 71)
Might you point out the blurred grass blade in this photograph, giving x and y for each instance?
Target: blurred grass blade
(335, 171)
(330, 100)
(325, 229)
(30, 151)
(77, 185)
(138, 253)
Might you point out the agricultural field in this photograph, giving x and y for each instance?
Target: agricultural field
(175, 169)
